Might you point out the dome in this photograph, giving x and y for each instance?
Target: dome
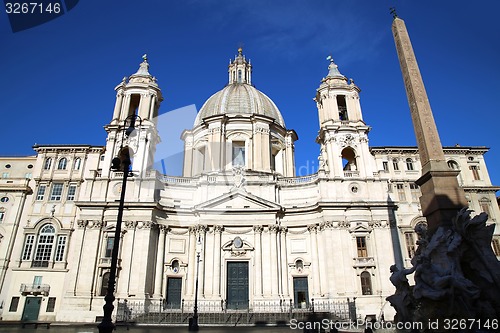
(238, 99)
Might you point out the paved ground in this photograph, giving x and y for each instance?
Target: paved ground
(92, 329)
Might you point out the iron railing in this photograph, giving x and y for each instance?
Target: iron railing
(219, 312)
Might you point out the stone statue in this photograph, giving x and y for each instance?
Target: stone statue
(457, 275)
(402, 299)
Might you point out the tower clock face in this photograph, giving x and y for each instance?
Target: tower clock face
(237, 243)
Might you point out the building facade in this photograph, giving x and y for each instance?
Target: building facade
(238, 219)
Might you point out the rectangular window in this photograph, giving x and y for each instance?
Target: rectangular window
(5, 175)
(238, 153)
(361, 245)
(385, 165)
(37, 280)
(410, 244)
(51, 304)
(110, 241)
(71, 192)
(61, 245)
(28, 175)
(401, 192)
(475, 171)
(415, 192)
(44, 249)
(41, 192)
(495, 243)
(13, 304)
(28, 247)
(2, 215)
(56, 193)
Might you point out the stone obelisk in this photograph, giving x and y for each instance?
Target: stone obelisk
(441, 196)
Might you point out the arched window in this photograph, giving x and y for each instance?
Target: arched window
(484, 203)
(44, 246)
(62, 164)
(104, 284)
(395, 165)
(366, 283)
(47, 245)
(240, 79)
(77, 164)
(409, 164)
(453, 165)
(349, 160)
(47, 164)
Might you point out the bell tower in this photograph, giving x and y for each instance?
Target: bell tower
(133, 126)
(343, 135)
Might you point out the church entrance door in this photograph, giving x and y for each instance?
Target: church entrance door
(174, 291)
(237, 284)
(301, 292)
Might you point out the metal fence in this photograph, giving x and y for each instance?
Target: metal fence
(218, 312)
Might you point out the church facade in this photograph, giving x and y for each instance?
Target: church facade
(238, 218)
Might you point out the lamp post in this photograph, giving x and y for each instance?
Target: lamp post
(121, 163)
(193, 322)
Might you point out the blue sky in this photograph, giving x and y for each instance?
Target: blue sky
(58, 78)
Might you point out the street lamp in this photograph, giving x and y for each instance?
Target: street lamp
(193, 322)
(120, 163)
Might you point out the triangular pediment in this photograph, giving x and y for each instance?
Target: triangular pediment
(238, 201)
(359, 228)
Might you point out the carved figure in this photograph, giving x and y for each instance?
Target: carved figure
(457, 275)
(402, 299)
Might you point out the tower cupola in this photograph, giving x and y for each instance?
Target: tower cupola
(240, 70)
(138, 99)
(337, 98)
(138, 94)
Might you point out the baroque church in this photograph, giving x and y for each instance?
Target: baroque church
(257, 237)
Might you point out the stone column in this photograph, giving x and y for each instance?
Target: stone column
(217, 260)
(266, 263)
(313, 228)
(118, 105)
(160, 261)
(322, 255)
(284, 264)
(191, 262)
(288, 163)
(273, 230)
(333, 161)
(209, 262)
(202, 232)
(331, 263)
(124, 108)
(258, 259)
(441, 195)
